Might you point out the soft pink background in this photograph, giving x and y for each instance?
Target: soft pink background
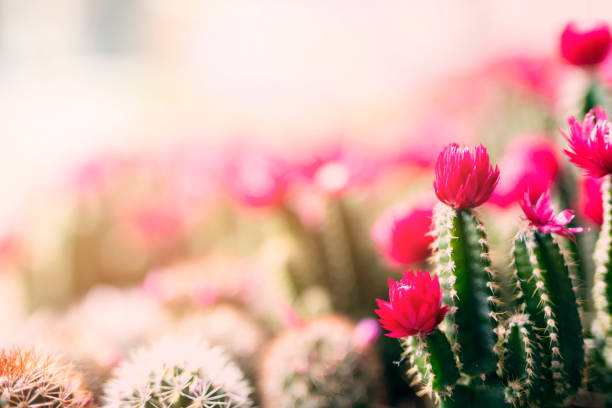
(281, 71)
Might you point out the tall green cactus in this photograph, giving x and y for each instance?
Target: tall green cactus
(464, 266)
(546, 292)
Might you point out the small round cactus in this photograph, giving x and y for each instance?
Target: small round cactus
(31, 379)
(228, 326)
(320, 365)
(178, 372)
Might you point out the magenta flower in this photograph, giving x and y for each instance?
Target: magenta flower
(529, 163)
(590, 203)
(401, 234)
(464, 179)
(256, 180)
(414, 307)
(584, 48)
(590, 143)
(338, 170)
(542, 216)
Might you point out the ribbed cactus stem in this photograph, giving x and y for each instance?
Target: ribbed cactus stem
(464, 265)
(521, 363)
(602, 287)
(546, 293)
(433, 364)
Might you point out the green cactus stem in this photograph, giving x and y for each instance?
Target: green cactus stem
(462, 257)
(521, 364)
(433, 365)
(546, 292)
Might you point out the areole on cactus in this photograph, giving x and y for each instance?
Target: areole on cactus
(485, 352)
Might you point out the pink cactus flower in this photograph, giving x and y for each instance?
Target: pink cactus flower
(338, 170)
(401, 234)
(590, 203)
(464, 178)
(590, 143)
(535, 76)
(585, 48)
(414, 307)
(529, 164)
(256, 180)
(541, 215)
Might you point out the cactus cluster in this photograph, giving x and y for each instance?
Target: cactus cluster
(528, 351)
(178, 372)
(31, 379)
(319, 365)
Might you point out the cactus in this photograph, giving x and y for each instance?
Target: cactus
(546, 292)
(177, 373)
(487, 353)
(229, 326)
(320, 365)
(30, 379)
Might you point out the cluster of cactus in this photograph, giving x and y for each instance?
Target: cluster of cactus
(529, 353)
(320, 365)
(514, 341)
(30, 379)
(178, 373)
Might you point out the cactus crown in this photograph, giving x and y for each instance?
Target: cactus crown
(30, 379)
(178, 373)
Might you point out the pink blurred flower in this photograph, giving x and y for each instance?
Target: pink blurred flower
(414, 307)
(590, 143)
(584, 48)
(338, 170)
(538, 76)
(529, 164)
(401, 234)
(10, 248)
(366, 333)
(464, 179)
(152, 224)
(590, 203)
(95, 175)
(256, 180)
(542, 216)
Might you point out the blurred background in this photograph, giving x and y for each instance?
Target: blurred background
(81, 76)
(248, 162)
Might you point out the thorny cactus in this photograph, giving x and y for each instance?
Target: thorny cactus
(322, 364)
(177, 373)
(229, 326)
(30, 379)
(487, 353)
